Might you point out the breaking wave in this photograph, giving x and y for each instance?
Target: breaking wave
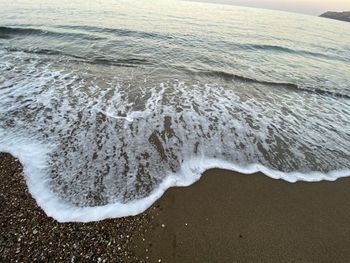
(97, 145)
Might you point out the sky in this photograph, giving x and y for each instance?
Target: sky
(313, 7)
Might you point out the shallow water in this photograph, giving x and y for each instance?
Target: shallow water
(108, 104)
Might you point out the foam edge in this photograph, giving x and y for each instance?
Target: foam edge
(33, 157)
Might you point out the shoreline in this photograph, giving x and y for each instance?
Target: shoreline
(28, 235)
(232, 217)
(223, 217)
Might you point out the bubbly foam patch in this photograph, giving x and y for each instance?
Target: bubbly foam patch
(100, 142)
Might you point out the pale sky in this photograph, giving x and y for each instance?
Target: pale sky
(314, 7)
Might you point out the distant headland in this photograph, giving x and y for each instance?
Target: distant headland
(343, 16)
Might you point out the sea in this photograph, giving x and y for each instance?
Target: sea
(107, 104)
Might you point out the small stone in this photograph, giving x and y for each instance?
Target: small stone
(163, 225)
(35, 231)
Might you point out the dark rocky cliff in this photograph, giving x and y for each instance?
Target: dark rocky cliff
(343, 16)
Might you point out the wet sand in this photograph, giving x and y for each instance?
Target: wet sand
(224, 217)
(230, 217)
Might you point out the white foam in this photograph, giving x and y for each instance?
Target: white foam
(189, 174)
(82, 138)
(33, 157)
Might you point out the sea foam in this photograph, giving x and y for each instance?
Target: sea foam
(33, 157)
(98, 145)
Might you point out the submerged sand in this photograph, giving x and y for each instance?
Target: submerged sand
(224, 217)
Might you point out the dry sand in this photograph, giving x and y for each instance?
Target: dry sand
(224, 217)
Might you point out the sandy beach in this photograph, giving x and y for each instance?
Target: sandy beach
(224, 217)
(230, 217)
(110, 108)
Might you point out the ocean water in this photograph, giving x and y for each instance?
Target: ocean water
(109, 103)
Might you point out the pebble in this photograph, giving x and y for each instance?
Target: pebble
(50, 241)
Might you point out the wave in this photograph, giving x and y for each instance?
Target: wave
(21, 30)
(102, 33)
(42, 51)
(98, 145)
(276, 48)
(34, 159)
(118, 62)
(134, 62)
(7, 32)
(291, 86)
(98, 60)
(119, 32)
(327, 52)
